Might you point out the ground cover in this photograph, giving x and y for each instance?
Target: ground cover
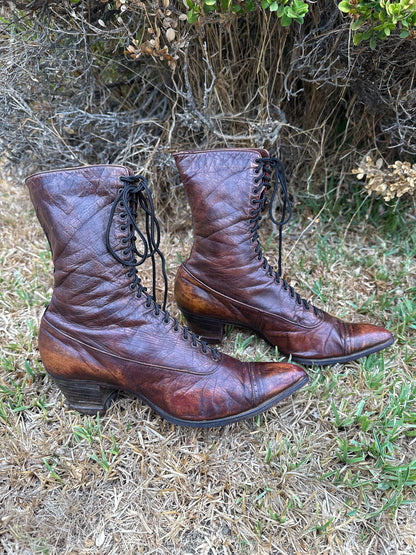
(332, 469)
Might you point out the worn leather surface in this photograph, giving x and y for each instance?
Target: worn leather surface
(224, 279)
(96, 328)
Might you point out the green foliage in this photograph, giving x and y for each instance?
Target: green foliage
(286, 10)
(380, 18)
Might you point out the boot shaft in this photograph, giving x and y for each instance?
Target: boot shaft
(222, 192)
(219, 186)
(74, 207)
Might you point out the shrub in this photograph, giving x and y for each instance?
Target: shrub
(287, 11)
(379, 18)
(129, 82)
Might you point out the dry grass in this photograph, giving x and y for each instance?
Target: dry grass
(132, 483)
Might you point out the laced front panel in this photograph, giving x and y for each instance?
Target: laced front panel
(263, 184)
(134, 194)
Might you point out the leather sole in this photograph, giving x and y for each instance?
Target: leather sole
(92, 397)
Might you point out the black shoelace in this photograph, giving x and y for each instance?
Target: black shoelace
(263, 182)
(135, 193)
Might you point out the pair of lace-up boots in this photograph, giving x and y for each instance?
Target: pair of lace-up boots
(104, 332)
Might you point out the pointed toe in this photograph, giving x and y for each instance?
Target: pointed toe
(365, 339)
(278, 380)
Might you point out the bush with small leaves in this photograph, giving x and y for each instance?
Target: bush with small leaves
(286, 10)
(377, 18)
(380, 18)
(124, 81)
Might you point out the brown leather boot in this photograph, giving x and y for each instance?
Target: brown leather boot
(227, 280)
(104, 332)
